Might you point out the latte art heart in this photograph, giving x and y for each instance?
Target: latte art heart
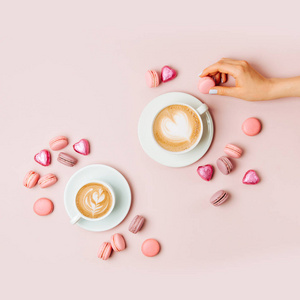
(177, 128)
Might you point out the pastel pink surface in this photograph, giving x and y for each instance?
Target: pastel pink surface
(136, 224)
(43, 158)
(233, 151)
(43, 207)
(152, 78)
(58, 143)
(118, 242)
(224, 165)
(47, 180)
(150, 247)
(205, 84)
(167, 74)
(251, 177)
(251, 126)
(205, 172)
(82, 147)
(77, 68)
(30, 180)
(104, 251)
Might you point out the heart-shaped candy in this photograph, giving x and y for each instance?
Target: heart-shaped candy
(82, 147)
(167, 74)
(43, 158)
(251, 177)
(205, 172)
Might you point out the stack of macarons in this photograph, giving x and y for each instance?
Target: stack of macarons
(250, 127)
(150, 247)
(44, 206)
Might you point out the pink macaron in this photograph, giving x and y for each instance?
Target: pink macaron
(30, 180)
(118, 242)
(150, 247)
(251, 126)
(225, 165)
(47, 180)
(136, 224)
(43, 207)
(104, 251)
(205, 84)
(67, 159)
(58, 143)
(233, 151)
(219, 198)
(152, 78)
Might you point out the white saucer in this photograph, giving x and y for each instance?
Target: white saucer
(102, 173)
(151, 147)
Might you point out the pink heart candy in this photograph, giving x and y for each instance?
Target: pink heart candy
(205, 172)
(251, 177)
(43, 158)
(82, 147)
(167, 74)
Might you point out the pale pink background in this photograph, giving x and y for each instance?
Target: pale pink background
(77, 68)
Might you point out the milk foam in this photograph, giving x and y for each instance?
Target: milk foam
(178, 129)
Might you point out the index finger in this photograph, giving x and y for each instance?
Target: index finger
(221, 67)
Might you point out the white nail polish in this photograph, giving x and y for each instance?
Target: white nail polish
(213, 92)
(199, 74)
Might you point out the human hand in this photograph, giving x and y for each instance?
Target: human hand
(249, 84)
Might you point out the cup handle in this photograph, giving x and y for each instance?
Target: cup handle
(75, 219)
(202, 109)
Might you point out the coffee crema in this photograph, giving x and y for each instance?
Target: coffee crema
(94, 200)
(176, 128)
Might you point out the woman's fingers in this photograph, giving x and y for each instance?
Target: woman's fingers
(217, 78)
(223, 77)
(221, 67)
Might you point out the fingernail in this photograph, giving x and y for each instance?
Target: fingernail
(213, 92)
(221, 80)
(200, 73)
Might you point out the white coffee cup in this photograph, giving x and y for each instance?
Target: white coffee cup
(198, 111)
(79, 215)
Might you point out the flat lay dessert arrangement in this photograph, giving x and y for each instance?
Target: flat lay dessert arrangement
(175, 129)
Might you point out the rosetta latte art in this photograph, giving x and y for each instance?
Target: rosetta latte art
(94, 200)
(176, 128)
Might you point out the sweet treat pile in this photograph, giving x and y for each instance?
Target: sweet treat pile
(152, 77)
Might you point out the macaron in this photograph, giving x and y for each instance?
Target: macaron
(205, 84)
(58, 143)
(233, 151)
(104, 251)
(47, 180)
(43, 207)
(66, 159)
(219, 198)
(30, 180)
(150, 247)
(152, 78)
(224, 164)
(118, 242)
(136, 224)
(251, 126)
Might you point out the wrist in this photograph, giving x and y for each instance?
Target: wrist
(284, 87)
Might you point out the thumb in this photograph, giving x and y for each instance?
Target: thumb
(225, 91)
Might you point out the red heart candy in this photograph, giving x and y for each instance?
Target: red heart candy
(251, 177)
(167, 74)
(205, 172)
(43, 158)
(82, 147)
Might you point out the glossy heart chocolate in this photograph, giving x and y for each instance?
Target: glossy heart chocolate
(251, 177)
(82, 147)
(43, 158)
(205, 172)
(167, 74)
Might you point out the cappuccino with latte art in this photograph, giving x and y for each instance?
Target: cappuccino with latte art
(177, 128)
